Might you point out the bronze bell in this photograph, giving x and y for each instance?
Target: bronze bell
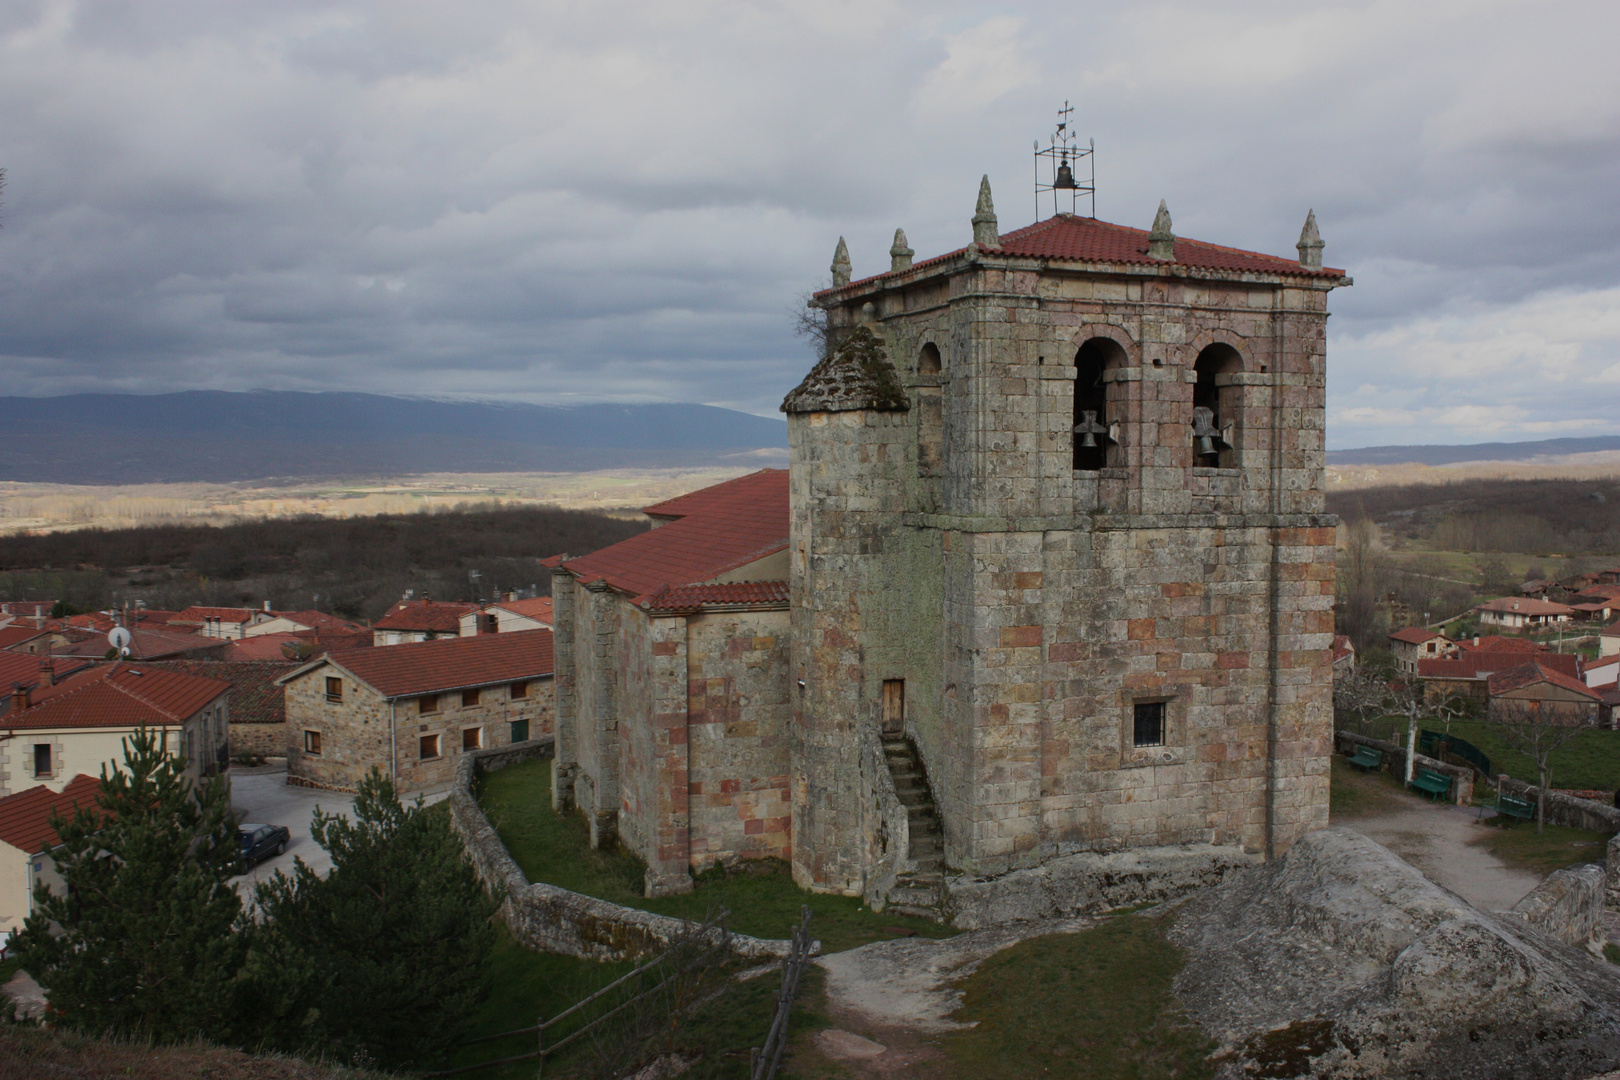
(1065, 177)
(1206, 446)
(1089, 442)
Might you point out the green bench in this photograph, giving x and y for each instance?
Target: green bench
(1514, 809)
(1368, 758)
(1433, 783)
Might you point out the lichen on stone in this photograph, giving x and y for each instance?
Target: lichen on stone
(856, 375)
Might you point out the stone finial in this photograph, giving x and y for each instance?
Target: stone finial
(1161, 241)
(840, 264)
(855, 376)
(985, 233)
(900, 253)
(1310, 244)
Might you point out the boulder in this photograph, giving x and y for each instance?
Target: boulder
(1341, 960)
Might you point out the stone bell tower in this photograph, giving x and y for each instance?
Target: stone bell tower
(1057, 514)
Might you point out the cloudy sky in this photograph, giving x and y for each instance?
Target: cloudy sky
(620, 201)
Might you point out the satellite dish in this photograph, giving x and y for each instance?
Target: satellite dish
(119, 638)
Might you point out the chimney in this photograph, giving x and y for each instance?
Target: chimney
(47, 673)
(267, 606)
(19, 698)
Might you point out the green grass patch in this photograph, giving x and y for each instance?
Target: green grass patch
(1520, 845)
(1096, 1004)
(761, 896)
(1353, 793)
(1588, 762)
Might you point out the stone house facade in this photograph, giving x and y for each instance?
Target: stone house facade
(411, 710)
(1056, 522)
(1537, 692)
(1414, 643)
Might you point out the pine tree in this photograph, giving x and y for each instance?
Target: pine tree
(144, 941)
(383, 960)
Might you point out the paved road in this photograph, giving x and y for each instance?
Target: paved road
(262, 796)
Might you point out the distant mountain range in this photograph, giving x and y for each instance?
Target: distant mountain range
(1451, 455)
(218, 436)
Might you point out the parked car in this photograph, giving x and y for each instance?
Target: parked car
(259, 842)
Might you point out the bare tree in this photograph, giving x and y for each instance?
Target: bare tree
(1358, 603)
(1538, 733)
(810, 323)
(1357, 696)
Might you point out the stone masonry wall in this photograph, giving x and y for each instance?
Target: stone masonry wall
(1568, 904)
(355, 731)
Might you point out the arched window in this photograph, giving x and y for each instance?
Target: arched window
(1093, 442)
(1215, 406)
(930, 414)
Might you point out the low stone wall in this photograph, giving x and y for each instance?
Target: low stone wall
(1568, 905)
(1091, 882)
(550, 919)
(1566, 809)
(1462, 788)
(259, 740)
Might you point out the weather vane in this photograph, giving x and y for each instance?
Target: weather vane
(1063, 156)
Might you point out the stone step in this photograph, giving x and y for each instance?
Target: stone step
(922, 896)
(921, 879)
(917, 912)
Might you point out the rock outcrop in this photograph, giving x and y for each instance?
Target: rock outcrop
(1340, 960)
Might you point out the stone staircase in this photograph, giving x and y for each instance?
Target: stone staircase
(920, 887)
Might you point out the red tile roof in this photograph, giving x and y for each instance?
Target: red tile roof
(440, 616)
(1524, 675)
(103, 621)
(25, 818)
(1071, 238)
(538, 607)
(1416, 635)
(17, 633)
(25, 668)
(1523, 605)
(260, 647)
(1342, 647)
(770, 594)
(147, 644)
(320, 620)
(715, 530)
(196, 615)
(28, 608)
(1498, 643)
(118, 695)
(1480, 663)
(427, 667)
(256, 696)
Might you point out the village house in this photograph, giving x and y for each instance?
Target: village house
(219, 622)
(420, 620)
(257, 721)
(1536, 691)
(306, 622)
(12, 611)
(1596, 603)
(504, 616)
(411, 710)
(78, 724)
(1522, 613)
(149, 644)
(1602, 672)
(1344, 653)
(1056, 545)
(32, 673)
(26, 842)
(1415, 643)
(1467, 674)
(677, 740)
(1609, 639)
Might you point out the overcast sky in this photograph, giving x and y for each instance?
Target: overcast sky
(589, 201)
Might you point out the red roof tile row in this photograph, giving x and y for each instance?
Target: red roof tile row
(196, 615)
(1416, 635)
(428, 667)
(1479, 664)
(1498, 643)
(1523, 605)
(256, 696)
(714, 531)
(439, 616)
(1536, 671)
(25, 818)
(742, 593)
(538, 607)
(118, 695)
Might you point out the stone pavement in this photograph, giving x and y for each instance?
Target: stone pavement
(1438, 839)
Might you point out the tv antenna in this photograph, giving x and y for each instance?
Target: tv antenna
(1064, 157)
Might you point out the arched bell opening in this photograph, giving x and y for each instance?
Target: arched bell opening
(930, 411)
(1215, 406)
(1095, 429)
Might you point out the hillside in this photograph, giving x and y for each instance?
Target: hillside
(216, 436)
(1547, 517)
(1451, 455)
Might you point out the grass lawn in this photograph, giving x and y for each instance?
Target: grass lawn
(1519, 845)
(1096, 1004)
(761, 897)
(1357, 794)
(1591, 761)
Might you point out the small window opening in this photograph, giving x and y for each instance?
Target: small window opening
(488, 624)
(42, 760)
(520, 730)
(1215, 406)
(930, 412)
(928, 360)
(334, 689)
(472, 738)
(429, 747)
(427, 703)
(469, 698)
(312, 743)
(1094, 426)
(1149, 724)
(520, 690)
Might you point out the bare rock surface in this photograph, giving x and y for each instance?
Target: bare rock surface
(1340, 960)
(910, 982)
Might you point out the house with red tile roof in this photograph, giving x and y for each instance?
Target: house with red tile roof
(219, 622)
(420, 620)
(1467, 674)
(1522, 612)
(504, 616)
(412, 710)
(307, 622)
(1536, 690)
(1344, 653)
(683, 752)
(16, 610)
(79, 723)
(30, 672)
(258, 713)
(26, 842)
(1415, 643)
(146, 643)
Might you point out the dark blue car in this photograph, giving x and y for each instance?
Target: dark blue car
(259, 842)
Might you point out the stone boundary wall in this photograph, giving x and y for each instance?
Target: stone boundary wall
(549, 919)
(1395, 763)
(1090, 882)
(1568, 905)
(1567, 809)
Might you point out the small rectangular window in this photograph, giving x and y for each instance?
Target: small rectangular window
(520, 731)
(469, 698)
(334, 689)
(520, 690)
(472, 738)
(429, 747)
(1149, 723)
(427, 703)
(42, 760)
(312, 743)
